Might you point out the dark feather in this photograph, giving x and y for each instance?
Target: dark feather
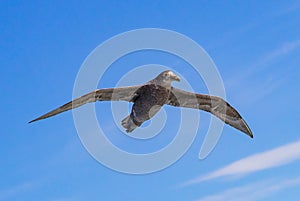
(150, 98)
(111, 94)
(213, 104)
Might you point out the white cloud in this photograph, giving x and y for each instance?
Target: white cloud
(254, 191)
(257, 162)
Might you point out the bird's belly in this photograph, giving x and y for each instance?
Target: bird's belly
(148, 105)
(143, 110)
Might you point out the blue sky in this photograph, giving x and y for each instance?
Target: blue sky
(256, 47)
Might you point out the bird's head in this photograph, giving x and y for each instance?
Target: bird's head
(169, 76)
(165, 78)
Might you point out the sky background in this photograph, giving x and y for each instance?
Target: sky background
(255, 46)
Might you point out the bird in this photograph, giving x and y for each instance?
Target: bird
(150, 97)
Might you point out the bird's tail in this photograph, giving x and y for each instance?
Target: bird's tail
(128, 124)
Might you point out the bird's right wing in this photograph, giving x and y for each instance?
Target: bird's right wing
(111, 94)
(213, 104)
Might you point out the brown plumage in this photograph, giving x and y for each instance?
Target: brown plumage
(149, 98)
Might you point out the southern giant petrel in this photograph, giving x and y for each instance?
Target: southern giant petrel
(149, 98)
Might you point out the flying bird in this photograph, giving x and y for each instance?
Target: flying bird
(150, 97)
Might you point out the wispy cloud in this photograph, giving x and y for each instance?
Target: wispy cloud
(258, 162)
(284, 49)
(15, 190)
(290, 8)
(254, 191)
(258, 78)
(263, 62)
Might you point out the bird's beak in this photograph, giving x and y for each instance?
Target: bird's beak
(175, 77)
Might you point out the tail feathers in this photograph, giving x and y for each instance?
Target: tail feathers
(128, 124)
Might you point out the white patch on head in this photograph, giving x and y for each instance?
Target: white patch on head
(167, 76)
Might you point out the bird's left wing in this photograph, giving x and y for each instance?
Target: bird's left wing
(111, 94)
(213, 104)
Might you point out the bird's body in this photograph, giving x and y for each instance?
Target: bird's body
(148, 101)
(149, 98)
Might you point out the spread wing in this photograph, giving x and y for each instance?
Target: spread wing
(112, 94)
(213, 104)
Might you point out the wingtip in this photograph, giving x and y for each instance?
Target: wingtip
(246, 129)
(39, 118)
(250, 135)
(31, 121)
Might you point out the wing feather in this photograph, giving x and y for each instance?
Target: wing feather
(213, 104)
(110, 94)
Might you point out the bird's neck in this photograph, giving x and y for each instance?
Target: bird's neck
(161, 83)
